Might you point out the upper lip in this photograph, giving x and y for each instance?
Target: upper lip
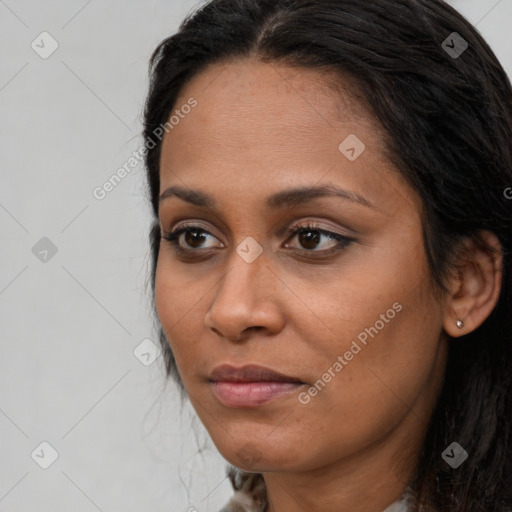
(249, 373)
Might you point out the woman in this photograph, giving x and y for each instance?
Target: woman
(331, 249)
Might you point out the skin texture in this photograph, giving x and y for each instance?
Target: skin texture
(259, 129)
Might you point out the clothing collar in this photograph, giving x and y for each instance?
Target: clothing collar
(250, 494)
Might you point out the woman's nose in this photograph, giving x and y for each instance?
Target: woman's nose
(247, 296)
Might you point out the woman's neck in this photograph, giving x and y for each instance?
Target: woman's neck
(368, 481)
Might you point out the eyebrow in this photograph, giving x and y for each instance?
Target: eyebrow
(285, 199)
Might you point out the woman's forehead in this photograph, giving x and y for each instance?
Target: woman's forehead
(241, 85)
(261, 126)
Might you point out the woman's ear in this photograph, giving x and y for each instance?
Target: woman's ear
(475, 289)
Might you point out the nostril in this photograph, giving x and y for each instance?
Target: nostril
(247, 331)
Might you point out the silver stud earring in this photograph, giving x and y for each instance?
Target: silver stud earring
(460, 324)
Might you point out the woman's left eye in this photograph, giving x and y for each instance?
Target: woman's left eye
(310, 237)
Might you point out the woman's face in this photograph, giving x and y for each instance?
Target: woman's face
(352, 318)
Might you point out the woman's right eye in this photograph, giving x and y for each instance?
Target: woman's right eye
(193, 238)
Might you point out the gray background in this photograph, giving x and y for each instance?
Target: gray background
(70, 321)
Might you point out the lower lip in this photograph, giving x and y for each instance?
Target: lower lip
(251, 394)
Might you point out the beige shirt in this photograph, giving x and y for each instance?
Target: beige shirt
(250, 494)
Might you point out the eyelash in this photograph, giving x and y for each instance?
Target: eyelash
(343, 241)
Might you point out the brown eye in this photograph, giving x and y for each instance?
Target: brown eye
(311, 237)
(189, 238)
(194, 238)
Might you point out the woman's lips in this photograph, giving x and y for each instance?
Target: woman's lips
(250, 385)
(251, 394)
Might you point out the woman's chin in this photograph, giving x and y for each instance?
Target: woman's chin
(259, 456)
(250, 462)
